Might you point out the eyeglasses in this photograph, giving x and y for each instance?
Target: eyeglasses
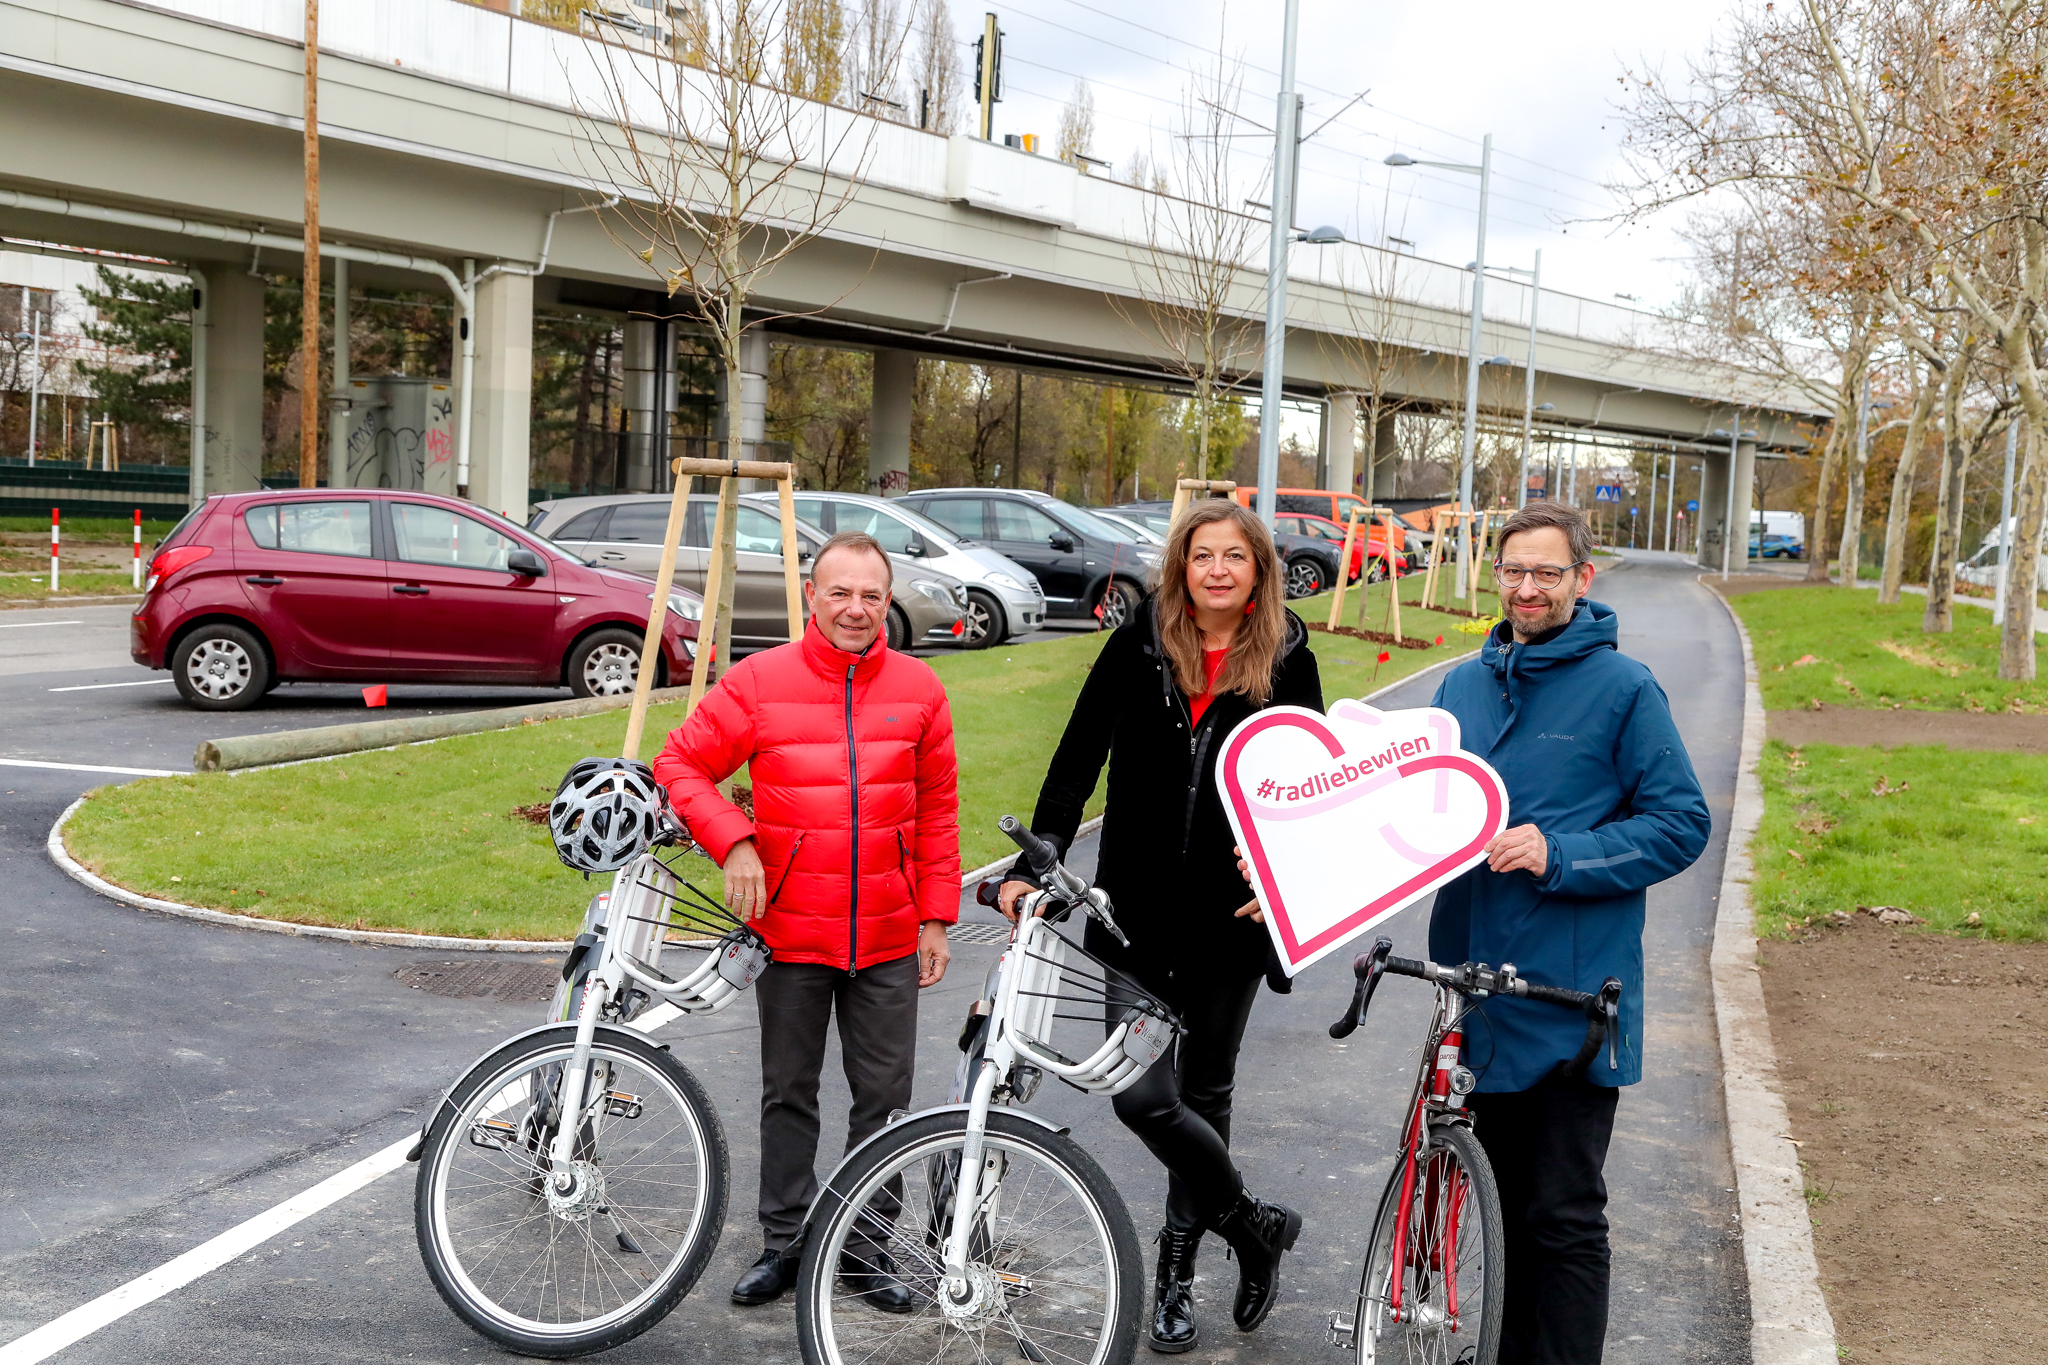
(1547, 576)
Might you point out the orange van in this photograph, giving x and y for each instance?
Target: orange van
(1322, 503)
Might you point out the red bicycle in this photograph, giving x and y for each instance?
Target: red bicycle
(1435, 1272)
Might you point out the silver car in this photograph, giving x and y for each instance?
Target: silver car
(1003, 598)
(623, 531)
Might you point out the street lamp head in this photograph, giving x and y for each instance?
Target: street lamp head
(1322, 236)
(1496, 360)
(1400, 159)
(1546, 407)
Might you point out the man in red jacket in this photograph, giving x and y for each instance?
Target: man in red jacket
(851, 865)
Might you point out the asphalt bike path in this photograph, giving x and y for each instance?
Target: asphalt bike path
(166, 1080)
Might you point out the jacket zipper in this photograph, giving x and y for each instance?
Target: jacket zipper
(787, 868)
(903, 866)
(853, 791)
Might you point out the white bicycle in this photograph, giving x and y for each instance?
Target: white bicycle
(572, 1184)
(1009, 1237)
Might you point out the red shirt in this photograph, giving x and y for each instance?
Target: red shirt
(1212, 664)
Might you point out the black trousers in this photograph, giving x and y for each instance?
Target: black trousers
(1547, 1146)
(877, 1009)
(1180, 1107)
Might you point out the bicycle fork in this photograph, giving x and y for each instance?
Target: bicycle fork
(1438, 1193)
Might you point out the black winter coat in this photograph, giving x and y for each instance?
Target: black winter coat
(1166, 857)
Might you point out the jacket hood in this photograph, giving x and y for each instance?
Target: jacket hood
(830, 661)
(1593, 627)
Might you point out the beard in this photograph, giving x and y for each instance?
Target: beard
(1553, 615)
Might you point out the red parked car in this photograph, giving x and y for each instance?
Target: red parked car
(377, 585)
(1366, 547)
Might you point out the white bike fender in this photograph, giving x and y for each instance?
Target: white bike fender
(803, 1235)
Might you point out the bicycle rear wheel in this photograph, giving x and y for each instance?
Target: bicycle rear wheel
(552, 1273)
(1054, 1274)
(1452, 1275)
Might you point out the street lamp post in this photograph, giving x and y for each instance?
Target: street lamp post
(1529, 378)
(1484, 170)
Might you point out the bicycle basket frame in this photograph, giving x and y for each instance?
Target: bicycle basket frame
(655, 912)
(1052, 972)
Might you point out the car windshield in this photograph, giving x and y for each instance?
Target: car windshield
(1090, 524)
(945, 537)
(1146, 535)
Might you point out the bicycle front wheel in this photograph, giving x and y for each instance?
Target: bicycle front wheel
(555, 1272)
(1439, 1301)
(1053, 1274)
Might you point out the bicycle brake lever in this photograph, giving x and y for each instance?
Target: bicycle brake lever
(1098, 906)
(1368, 968)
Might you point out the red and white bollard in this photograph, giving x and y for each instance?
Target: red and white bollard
(53, 550)
(138, 549)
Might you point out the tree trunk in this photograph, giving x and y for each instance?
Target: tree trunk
(1852, 502)
(1939, 618)
(579, 440)
(1903, 479)
(2016, 650)
(1817, 535)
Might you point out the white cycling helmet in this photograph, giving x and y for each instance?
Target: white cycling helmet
(606, 813)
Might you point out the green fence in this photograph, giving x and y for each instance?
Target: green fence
(29, 490)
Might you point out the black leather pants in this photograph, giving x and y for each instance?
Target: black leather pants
(1180, 1108)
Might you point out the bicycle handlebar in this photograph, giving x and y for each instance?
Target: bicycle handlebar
(1601, 1007)
(1044, 864)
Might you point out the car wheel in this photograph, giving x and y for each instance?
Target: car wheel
(898, 630)
(605, 663)
(220, 667)
(1305, 577)
(984, 623)
(1119, 604)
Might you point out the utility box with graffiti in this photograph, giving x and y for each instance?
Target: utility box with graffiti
(399, 433)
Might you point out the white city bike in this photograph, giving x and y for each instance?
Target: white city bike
(1010, 1239)
(572, 1184)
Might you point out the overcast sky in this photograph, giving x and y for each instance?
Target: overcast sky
(1541, 78)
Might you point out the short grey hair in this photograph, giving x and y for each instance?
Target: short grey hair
(856, 540)
(1552, 515)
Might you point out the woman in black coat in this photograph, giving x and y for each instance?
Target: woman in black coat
(1214, 645)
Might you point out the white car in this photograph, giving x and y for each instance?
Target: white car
(1003, 598)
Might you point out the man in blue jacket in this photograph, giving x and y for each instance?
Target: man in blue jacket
(1606, 805)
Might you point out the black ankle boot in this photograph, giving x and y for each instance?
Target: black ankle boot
(1173, 1293)
(1257, 1232)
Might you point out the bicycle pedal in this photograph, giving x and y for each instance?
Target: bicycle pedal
(619, 1105)
(1343, 1330)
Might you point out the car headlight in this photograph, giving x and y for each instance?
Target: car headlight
(1150, 554)
(935, 591)
(689, 608)
(1003, 580)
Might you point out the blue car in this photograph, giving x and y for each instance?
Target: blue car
(1776, 547)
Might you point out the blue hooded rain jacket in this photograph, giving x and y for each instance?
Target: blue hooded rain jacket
(1583, 737)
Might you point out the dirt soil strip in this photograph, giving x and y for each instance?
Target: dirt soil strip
(1855, 726)
(1789, 1319)
(1919, 1063)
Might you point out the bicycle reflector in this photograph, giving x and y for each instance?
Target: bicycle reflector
(606, 812)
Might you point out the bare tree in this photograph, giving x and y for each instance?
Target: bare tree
(718, 166)
(874, 63)
(1195, 303)
(937, 67)
(1077, 125)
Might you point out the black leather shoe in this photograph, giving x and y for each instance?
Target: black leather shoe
(767, 1279)
(872, 1275)
(1173, 1293)
(1257, 1232)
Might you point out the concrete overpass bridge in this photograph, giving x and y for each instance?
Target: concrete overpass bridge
(453, 150)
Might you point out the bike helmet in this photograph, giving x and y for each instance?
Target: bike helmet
(606, 813)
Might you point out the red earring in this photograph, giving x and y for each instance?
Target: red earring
(1251, 606)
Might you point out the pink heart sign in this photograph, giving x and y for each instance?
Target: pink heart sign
(1347, 818)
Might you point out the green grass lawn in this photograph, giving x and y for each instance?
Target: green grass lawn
(81, 583)
(90, 530)
(1958, 832)
(1840, 647)
(423, 838)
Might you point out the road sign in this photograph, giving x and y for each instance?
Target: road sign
(1692, 504)
(1633, 510)
(1607, 492)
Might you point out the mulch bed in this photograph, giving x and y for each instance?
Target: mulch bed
(1915, 1070)
(1377, 637)
(1853, 725)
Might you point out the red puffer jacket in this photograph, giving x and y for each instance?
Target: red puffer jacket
(856, 815)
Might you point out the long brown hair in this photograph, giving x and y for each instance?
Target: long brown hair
(1254, 653)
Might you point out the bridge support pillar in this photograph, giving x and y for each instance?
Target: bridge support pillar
(895, 392)
(234, 382)
(500, 447)
(637, 470)
(1382, 461)
(1713, 514)
(1340, 434)
(753, 409)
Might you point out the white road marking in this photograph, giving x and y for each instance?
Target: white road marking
(82, 1321)
(23, 625)
(89, 768)
(94, 687)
